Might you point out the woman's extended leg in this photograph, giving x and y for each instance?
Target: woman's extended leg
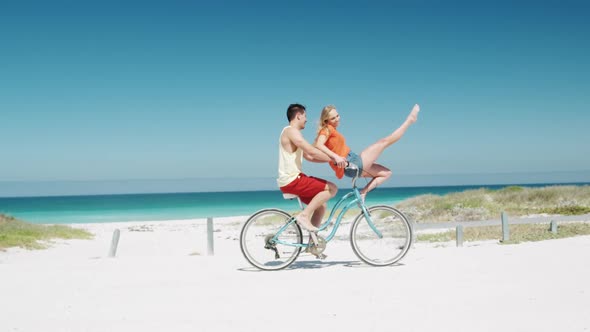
(370, 154)
(378, 173)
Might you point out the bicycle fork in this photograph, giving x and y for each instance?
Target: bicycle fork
(370, 221)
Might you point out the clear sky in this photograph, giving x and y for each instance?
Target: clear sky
(119, 90)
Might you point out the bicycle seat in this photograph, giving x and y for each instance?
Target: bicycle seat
(293, 196)
(290, 196)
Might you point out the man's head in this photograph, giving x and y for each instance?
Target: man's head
(293, 110)
(296, 113)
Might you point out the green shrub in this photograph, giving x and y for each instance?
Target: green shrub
(570, 210)
(18, 233)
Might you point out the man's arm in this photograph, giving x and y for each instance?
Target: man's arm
(310, 153)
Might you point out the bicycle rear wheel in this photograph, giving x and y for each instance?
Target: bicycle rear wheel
(258, 246)
(391, 246)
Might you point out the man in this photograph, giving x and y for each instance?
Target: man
(312, 191)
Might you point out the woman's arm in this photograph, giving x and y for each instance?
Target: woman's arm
(320, 143)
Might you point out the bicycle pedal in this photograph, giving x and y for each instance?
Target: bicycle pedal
(321, 256)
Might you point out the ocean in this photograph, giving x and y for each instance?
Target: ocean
(174, 206)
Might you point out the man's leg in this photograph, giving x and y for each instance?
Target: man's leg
(318, 214)
(316, 208)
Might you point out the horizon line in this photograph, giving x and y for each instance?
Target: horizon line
(273, 177)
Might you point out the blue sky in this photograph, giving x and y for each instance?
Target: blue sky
(182, 90)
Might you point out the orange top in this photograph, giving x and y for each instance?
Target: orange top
(337, 144)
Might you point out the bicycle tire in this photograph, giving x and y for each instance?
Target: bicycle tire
(392, 246)
(255, 236)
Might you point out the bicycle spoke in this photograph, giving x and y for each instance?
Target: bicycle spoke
(258, 240)
(384, 240)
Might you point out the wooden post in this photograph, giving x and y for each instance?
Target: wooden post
(459, 235)
(114, 243)
(505, 229)
(210, 250)
(553, 227)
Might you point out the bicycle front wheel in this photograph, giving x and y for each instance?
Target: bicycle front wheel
(258, 240)
(383, 240)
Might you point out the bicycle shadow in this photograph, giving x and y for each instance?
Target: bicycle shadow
(312, 264)
(322, 264)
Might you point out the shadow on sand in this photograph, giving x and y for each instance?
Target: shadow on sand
(321, 264)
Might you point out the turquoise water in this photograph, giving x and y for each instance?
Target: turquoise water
(171, 206)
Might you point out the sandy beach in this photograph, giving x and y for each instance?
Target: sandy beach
(163, 280)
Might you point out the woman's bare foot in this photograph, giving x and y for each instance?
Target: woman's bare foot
(304, 222)
(413, 117)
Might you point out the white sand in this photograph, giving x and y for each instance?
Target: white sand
(157, 282)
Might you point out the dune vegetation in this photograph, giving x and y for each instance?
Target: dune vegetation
(486, 204)
(18, 233)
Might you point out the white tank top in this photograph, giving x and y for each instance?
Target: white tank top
(289, 163)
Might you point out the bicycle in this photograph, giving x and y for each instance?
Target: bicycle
(380, 235)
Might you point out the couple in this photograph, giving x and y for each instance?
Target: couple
(329, 147)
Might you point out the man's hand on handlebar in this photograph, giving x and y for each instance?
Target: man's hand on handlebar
(340, 162)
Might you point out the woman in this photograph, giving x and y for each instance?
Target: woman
(330, 141)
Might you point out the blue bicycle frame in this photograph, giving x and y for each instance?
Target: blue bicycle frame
(353, 197)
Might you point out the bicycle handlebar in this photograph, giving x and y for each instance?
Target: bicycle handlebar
(356, 169)
(352, 167)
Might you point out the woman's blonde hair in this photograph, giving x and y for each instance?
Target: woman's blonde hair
(324, 117)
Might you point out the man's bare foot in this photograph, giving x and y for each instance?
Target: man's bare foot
(413, 117)
(305, 223)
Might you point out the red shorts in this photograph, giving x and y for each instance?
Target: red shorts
(306, 187)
